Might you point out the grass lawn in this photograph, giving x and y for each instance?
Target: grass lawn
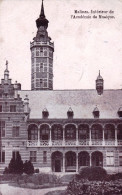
(57, 192)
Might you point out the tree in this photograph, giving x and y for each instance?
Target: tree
(28, 167)
(16, 165)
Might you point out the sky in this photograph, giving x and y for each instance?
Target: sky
(82, 46)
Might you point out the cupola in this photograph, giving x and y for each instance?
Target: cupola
(99, 84)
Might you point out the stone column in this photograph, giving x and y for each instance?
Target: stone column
(63, 136)
(77, 137)
(77, 162)
(38, 137)
(116, 143)
(90, 141)
(63, 162)
(103, 137)
(90, 160)
(50, 139)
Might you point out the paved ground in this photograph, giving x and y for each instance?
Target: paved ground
(5, 189)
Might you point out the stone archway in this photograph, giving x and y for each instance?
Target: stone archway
(70, 161)
(97, 159)
(83, 159)
(57, 161)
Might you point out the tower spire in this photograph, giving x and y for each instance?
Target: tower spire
(6, 72)
(42, 10)
(42, 21)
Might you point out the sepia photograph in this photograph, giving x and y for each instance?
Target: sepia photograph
(60, 97)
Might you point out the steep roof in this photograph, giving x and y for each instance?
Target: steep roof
(82, 103)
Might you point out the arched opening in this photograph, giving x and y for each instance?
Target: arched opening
(83, 132)
(57, 132)
(70, 161)
(109, 132)
(57, 161)
(70, 132)
(44, 132)
(83, 159)
(96, 132)
(119, 132)
(32, 132)
(97, 159)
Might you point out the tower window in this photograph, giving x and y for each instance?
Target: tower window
(41, 83)
(70, 113)
(37, 53)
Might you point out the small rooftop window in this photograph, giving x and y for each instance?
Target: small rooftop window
(45, 113)
(96, 112)
(70, 113)
(120, 112)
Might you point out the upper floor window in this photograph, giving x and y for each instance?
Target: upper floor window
(15, 154)
(0, 108)
(33, 156)
(2, 128)
(2, 156)
(12, 108)
(15, 132)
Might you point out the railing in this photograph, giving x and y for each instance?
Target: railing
(41, 43)
(59, 143)
(83, 142)
(110, 142)
(70, 142)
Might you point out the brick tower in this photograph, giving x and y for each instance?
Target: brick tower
(42, 56)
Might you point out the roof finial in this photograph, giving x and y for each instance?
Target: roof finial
(6, 64)
(42, 10)
(99, 72)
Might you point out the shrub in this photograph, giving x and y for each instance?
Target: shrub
(93, 173)
(36, 171)
(28, 167)
(85, 187)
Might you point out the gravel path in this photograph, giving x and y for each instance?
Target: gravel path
(5, 189)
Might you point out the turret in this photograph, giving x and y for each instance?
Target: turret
(26, 106)
(99, 84)
(17, 86)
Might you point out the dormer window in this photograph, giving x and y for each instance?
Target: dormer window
(96, 112)
(45, 113)
(120, 112)
(70, 113)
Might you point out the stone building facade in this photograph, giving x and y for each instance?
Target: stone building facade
(58, 130)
